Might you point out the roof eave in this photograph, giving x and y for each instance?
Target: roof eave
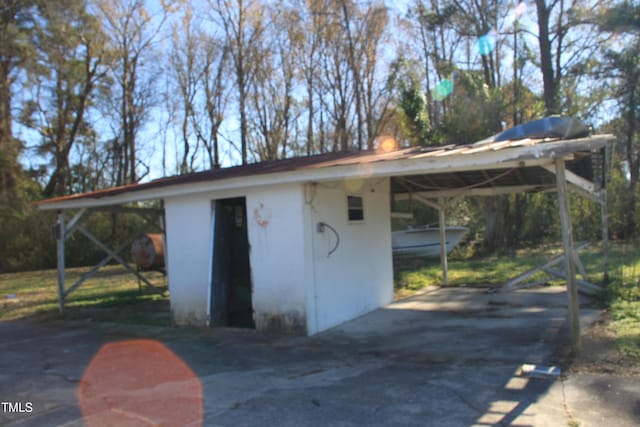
(532, 155)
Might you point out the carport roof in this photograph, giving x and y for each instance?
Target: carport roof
(483, 168)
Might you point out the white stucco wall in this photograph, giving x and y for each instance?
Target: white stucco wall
(277, 256)
(188, 222)
(297, 287)
(358, 276)
(275, 226)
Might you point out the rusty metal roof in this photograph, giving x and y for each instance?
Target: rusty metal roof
(580, 149)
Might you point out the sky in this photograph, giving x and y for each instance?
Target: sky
(152, 135)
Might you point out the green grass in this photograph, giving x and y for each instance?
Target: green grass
(622, 296)
(112, 295)
(492, 270)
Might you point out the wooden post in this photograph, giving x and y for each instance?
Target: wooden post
(605, 235)
(61, 237)
(567, 241)
(443, 242)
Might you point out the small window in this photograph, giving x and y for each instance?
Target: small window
(355, 208)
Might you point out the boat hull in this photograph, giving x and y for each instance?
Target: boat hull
(424, 241)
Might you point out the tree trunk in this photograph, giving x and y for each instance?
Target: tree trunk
(546, 60)
(8, 154)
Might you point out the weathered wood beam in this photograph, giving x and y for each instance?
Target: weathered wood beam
(594, 197)
(583, 285)
(77, 219)
(579, 266)
(403, 183)
(515, 283)
(61, 237)
(604, 217)
(402, 215)
(129, 209)
(567, 241)
(477, 192)
(487, 178)
(443, 242)
(576, 180)
(430, 203)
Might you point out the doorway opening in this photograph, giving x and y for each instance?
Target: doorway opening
(231, 287)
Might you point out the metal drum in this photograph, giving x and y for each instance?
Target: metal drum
(147, 252)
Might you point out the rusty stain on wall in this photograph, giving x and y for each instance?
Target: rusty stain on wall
(262, 215)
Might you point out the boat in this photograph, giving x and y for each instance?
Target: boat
(424, 241)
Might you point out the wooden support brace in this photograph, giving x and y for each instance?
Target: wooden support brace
(579, 265)
(117, 258)
(575, 180)
(98, 266)
(75, 221)
(439, 206)
(583, 285)
(515, 282)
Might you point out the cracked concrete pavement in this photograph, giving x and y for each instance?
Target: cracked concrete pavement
(445, 357)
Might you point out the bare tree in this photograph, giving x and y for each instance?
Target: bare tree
(353, 59)
(216, 92)
(274, 114)
(310, 17)
(374, 91)
(133, 31)
(336, 86)
(199, 64)
(187, 76)
(242, 23)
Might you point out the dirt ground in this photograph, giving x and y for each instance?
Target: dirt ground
(600, 353)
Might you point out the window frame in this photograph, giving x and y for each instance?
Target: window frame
(351, 210)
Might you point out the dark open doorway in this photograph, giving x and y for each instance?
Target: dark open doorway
(231, 276)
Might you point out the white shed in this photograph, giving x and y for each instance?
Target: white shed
(260, 254)
(301, 245)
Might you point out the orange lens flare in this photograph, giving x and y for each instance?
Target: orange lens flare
(386, 144)
(139, 383)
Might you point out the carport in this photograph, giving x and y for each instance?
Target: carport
(493, 168)
(433, 175)
(582, 172)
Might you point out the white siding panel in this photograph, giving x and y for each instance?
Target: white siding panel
(358, 276)
(275, 224)
(188, 221)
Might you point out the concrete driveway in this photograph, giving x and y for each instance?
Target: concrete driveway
(447, 357)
